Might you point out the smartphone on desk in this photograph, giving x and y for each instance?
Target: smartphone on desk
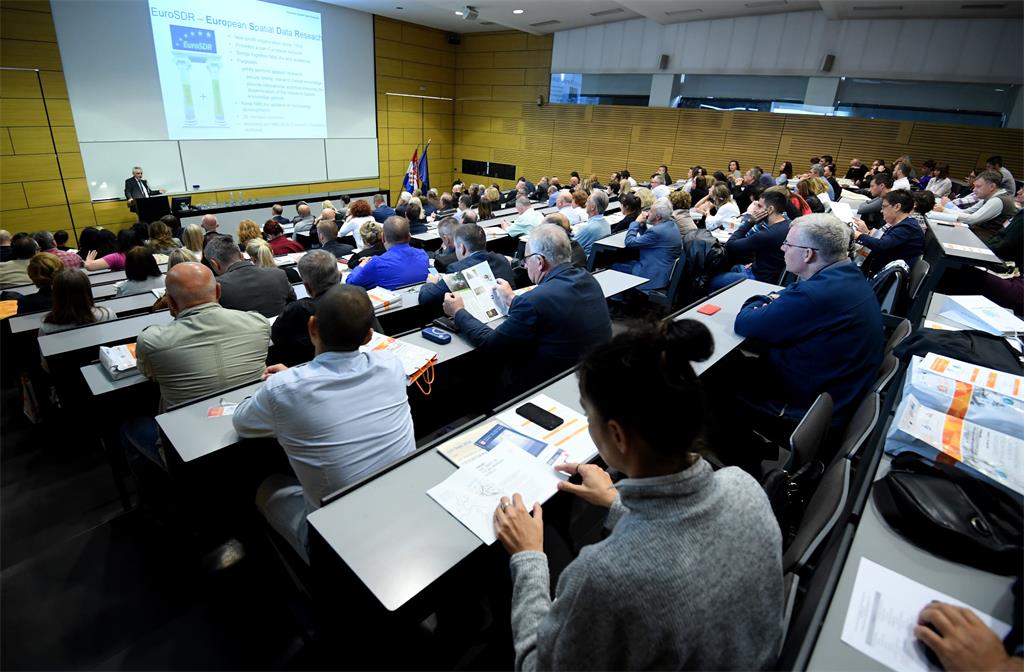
(539, 416)
(446, 323)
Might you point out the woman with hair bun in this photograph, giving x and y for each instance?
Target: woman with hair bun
(690, 576)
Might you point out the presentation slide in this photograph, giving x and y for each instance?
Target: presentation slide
(239, 69)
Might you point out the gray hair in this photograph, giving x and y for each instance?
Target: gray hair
(180, 256)
(209, 222)
(446, 226)
(470, 217)
(817, 169)
(328, 214)
(44, 239)
(551, 242)
(565, 196)
(319, 271)
(223, 250)
(825, 233)
(663, 209)
(756, 173)
(523, 202)
(600, 201)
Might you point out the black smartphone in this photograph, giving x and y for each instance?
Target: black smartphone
(539, 416)
(447, 323)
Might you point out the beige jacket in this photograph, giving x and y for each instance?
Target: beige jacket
(14, 273)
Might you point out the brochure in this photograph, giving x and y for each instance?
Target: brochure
(415, 360)
(477, 288)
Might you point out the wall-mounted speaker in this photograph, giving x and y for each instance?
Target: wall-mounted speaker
(827, 62)
(663, 62)
(454, 38)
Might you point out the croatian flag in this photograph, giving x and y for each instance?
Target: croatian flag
(411, 181)
(422, 173)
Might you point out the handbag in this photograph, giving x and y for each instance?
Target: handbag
(952, 515)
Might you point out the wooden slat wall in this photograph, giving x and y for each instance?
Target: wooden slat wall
(502, 123)
(32, 195)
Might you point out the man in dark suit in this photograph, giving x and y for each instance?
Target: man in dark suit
(381, 211)
(548, 328)
(327, 232)
(136, 187)
(445, 255)
(470, 250)
(245, 286)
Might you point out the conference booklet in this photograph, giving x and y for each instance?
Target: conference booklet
(477, 288)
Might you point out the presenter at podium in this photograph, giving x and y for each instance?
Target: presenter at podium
(136, 187)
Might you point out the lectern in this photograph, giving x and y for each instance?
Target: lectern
(152, 208)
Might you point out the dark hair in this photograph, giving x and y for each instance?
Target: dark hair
(106, 243)
(24, 247)
(139, 264)
(614, 186)
(126, 239)
(815, 159)
(87, 240)
(413, 212)
(787, 169)
(700, 182)
(738, 166)
(943, 169)
(995, 160)
(344, 316)
(775, 200)
(924, 201)
(883, 180)
(631, 203)
(990, 176)
(60, 237)
(902, 198)
(720, 176)
(44, 239)
(472, 236)
(826, 158)
(396, 229)
(929, 164)
(72, 299)
(172, 222)
(484, 209)
(671, 415)
(624, 173)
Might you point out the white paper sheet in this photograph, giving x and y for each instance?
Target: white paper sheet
(567, 443)
(883, 612)
(998, 381)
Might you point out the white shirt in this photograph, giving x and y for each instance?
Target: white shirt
(339, 418)
(725, 213)
(571, 214)
(661, 191)
(939, 186)
(351, 227)
(581, 213)
(902, 183)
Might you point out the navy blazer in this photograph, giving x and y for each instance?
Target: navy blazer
(825, 335)
(548, 329)
(764, 246)
(659, 247)
(382, 213)
(904, 240)
(432, 293)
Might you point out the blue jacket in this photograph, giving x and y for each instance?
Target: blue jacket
(399, 266)
(548, 329)
(903, 241)
(825, 335)
(433, 293)
(659, 247)
(764, 245)
(382, 213)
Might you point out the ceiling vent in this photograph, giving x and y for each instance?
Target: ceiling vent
(765, 3)
(681, 12)
(540, 24)
(878, 8)
(608, 12)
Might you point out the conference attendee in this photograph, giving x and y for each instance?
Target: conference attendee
(902, 236)
(808, 188)
(280, 244)
(179, 256)
(747, 188)
(927, 169)
(579, 203)
(552, 195)
(327, 234)
(5, 245)
(42, 268)
(940, 184)
(15, 271)
(303, 219)
(995, 163)
(245, 286)
(830, 177)
(540, 193)
(381, 210)
(756, 243)
(627, 178)
(60, 239)
(630, 207)
(372, 234)
(986, 217)
(527, 218)
(856, 171)
(577, 257)
(656, 592)
(290, 332)
(663, 171)
(924, 204)
(734, 171)
(785, 173)
(470, 250)
(72, 303)
(823, 333)
(192, 239)
(465, 204)
(901, 176)
(699, 191)
(720, 197)
(818, 171)
(417, 222)
(159, 239)
(310, 239)
(113, 261)
(302, 231)
(248, 230)
(655, 235)
(369, 425)
(645, 196)
(961, 641)
(400, 265)
(871, 210)
(547, 329)
(681, 211)
(597, 227)
(358, 214)
(564, 203)
(141, 273)
(138, 187)
(658, 187)
(210, 226)
(445, 254)
(262, 256)
(485, 208)
(277, 214)
(46, 243)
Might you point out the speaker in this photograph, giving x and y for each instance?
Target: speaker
(827, 62)
(454, 38)
(663, 62)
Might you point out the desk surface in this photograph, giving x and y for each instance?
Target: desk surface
(616, 240)
(100, 383)
(721, 323)
(193, 434)
(396, 538)
(31, 321)
(99, 334)
(615, 282)
(952, 237)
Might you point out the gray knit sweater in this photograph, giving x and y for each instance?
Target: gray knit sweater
(690, 578)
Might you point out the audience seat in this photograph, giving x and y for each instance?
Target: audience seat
(668, 298)
(863, 422)
(822, 514)
(886, 372)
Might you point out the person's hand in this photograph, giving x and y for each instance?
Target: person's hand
(505, 226)
(163, 191)
(364, 261)
(433, 279)
(859, 226)
(272, 369)
(642, 217)
(504, 291)
(945, 201)
(91, 256)
(453, 304)
(963, 642)
(597, 487)
(516, 529)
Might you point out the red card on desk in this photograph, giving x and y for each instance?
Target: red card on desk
(709, 309)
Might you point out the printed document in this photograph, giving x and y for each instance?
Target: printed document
(477, 288)
(413, 358)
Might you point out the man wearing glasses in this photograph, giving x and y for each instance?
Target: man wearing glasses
(824, 332)
(547, 329)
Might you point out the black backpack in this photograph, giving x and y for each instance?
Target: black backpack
(705, 258)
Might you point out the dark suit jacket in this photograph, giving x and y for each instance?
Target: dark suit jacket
(903, 241)
(548, 329)
(382, 213)
(432, 293)
(354, 260)
(247, 287)
(132, 190)
(337, 249)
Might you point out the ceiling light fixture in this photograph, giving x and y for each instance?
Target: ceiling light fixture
(459, 12)
(519, 11)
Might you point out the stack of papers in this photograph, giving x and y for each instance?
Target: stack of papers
(384, 299)
(843, 211)
(978, 312)
(119, 361)
(414, 359)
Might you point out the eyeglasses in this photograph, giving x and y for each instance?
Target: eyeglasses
(535, 254)
(786, 243)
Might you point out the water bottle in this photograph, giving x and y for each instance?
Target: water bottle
(231, 198)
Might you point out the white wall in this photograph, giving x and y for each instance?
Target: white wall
(979, 50)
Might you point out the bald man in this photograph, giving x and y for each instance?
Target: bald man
(205, 349)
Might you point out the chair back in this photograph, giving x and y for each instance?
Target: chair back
(918, 274)
(806, 439)
(886, 372)
(820, 517)
(861, 425)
